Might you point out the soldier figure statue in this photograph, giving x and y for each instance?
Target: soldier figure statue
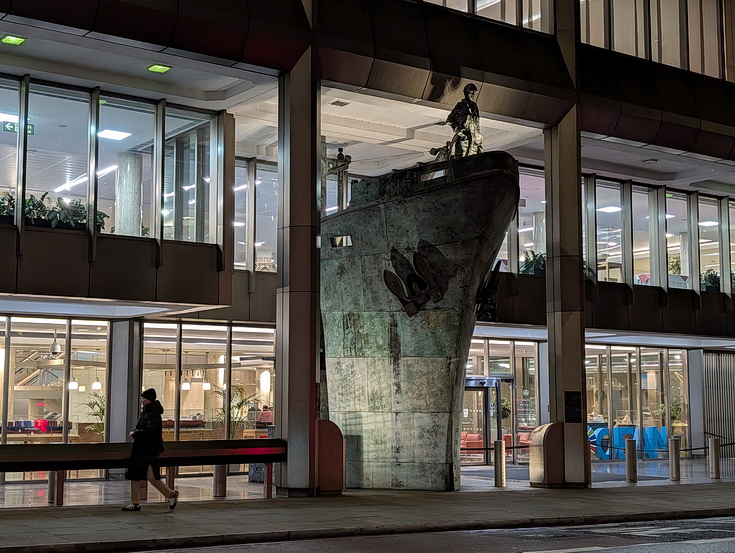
(465, 122)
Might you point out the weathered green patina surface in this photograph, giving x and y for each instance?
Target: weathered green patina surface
(395, 372)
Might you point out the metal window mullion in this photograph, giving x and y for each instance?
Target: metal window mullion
(666, 387)
(725, 257)
(21, 159)
(590, 184)
(92, 181)
(251, 214)
(108, 380)
(177, 181)
(639, 422)
(609, 392)
(6, 384)
(607, 14)
(626, 190)
(513, 244)
(67, 379)
(177, 382)
(647, 29)
(693, 220)
(159, 155)
(519, 21)
(721, 39)
(200, 207)
(226, 406)
(662, 258)
(684, 36)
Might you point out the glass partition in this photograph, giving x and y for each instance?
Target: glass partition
(57, 158)
(609, 232)
(704, 34)
(592, 22)
(731, 226)
(476, 359)
(678, 394)
(189, 195)
(159, 369)
(127, 130)
(709, 244)
(678, 243)
(8, 149)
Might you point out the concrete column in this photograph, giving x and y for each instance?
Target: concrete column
(564, 281)
(539, 231)
(685, 258)
(297, 293)
(543, 383)
(128, 194)
(123, 403)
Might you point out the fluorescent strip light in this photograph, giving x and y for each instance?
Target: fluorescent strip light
(114, 135)
(7, 117)
(610, 209)
(238, 224)
(241, 187)
(83, 178)
(189, 187)
(708, 223)
(520, 230)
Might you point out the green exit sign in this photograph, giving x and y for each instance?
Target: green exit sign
(9, 126)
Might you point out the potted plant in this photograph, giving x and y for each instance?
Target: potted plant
(36, 210)
(710, 281)
(534, 263)
(69, 214)
(7, 208)
(96, 404)
(240, 405)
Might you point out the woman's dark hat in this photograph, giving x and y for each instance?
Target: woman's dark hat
(149, 394)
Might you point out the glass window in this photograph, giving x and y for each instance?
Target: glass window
(243, 240)
(498, 358)
(609, 232)
(57, 160)
(460, 5)
(677, 240)
(652, 387)
(709, 244)
(731, 226)
(678, 403)
(628, 27)
(595, 365)
(538, 15)
(253, 382)
(88, 385)
(8, 149)
(37, 397)
(126, 135)
(703, 22)
(532, 224)
(526, 384)
(644, 237)
(666, 31)
(503, 255)
(592, 17)
(266, 213)
(159, 369)
(190, 196)
(498, 10)
(476, 359)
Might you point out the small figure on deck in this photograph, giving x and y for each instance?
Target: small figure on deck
(465, 122)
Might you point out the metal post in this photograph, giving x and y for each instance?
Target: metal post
(499, 450)
(219, 485)
(714, 458)
(51, 487)
(171, 477)
(631, 461)
(674, 459)
(268, 481)
(59, 491)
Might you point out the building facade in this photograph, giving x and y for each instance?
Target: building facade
(167, 166)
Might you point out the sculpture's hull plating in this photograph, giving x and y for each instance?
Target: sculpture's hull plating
(395, 367)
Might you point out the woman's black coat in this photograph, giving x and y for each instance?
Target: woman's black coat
(147, 443)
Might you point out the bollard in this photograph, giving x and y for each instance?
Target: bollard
(499, 461)
(674, 459)
(219, 484)
(714, 458)
(631, 461)
(268, 481)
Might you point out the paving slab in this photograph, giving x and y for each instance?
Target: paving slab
(104, 528)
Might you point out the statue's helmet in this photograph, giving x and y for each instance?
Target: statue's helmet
(470, 88)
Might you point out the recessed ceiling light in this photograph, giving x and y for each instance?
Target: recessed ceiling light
(708, 223)
(113, 135)
(610, 209)
(158, 68)
(13, 40)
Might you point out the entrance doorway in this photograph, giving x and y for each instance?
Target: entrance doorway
(487, 415)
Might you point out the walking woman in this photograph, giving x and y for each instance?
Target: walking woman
(147, 445)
